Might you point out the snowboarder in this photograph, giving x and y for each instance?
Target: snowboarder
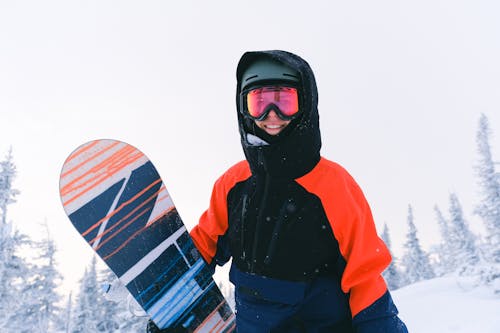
(305, 253)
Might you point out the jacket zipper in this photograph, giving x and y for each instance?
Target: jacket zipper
(276, 232)
(243, 217)
(260, 221)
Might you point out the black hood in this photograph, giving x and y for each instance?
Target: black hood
(295, 152)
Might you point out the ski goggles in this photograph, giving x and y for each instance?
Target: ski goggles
(256, 103)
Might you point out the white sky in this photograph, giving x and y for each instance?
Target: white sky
(401, 88)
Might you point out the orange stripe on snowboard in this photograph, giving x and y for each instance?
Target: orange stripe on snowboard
(83, 150)
(215, 329)
(127, 217)
(101, 166)
(109, 168)
(138, 232)
(123, 205)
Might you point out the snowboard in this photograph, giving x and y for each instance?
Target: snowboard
(117, 201)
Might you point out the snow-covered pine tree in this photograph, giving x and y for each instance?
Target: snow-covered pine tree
(462, 243)
(132, 323)
(392, 274)
(68, 310)
(39, 312)
(87, 311)
(7, 192)
(446, 262)
(111, 311)
(13, 272)
(92, 312)
(43, 287)
(488, 207)
(13, 267)
(120, 315)
(415, 260)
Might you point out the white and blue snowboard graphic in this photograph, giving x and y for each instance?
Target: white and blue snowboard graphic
(117, 201)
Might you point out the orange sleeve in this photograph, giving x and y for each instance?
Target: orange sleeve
(214, 221)
(349, 214)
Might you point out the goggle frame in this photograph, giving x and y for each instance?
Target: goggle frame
(270, 106)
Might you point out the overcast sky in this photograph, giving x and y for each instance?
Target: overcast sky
(401, 87)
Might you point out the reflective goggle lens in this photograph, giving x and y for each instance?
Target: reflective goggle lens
(259, 100)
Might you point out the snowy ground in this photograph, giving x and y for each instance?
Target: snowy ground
(441, 306)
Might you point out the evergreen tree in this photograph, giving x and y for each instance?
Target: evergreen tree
(133, 323)
(68, 313)
(94, 312)
(131, 320)
(488, 207)
(13, 273)
(39, 312)
(7, 192)
(45, 285)
(120, 309)
(87, 312)
(111, 310)
(446, 260)
(489, 183)
(415, 260)
(462, 242)
(391, 275)
(13, 267)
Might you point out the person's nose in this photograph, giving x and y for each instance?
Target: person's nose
(272, 115)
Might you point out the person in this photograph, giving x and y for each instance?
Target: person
(305, 253)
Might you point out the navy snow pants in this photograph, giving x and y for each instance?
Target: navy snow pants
(265, 305)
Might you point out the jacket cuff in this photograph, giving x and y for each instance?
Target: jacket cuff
(380, 317)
